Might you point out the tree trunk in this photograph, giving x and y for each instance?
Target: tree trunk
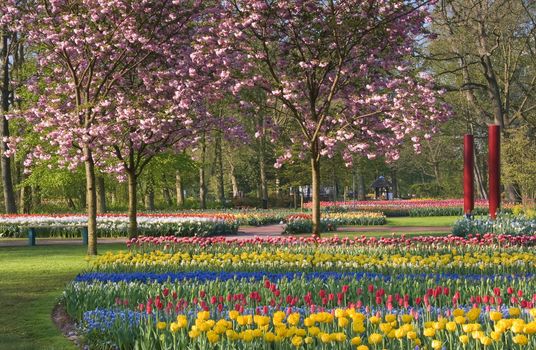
(149, 195)
(101, 195)
(234, 182)
(264, 183)
(219, 166)
(132, 204)
(394, 180)
(361, 194)
(7, 182)
(315, 175)
(26, 199)
(179, 189)
(91, 198)
(36, 196)
(166, 193)
(202, 180)
(479, 179)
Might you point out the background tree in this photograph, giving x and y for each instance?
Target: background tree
(84, 66)
(328, 65)
(485, 53)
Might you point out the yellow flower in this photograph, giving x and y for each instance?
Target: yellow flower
(532, 312)
(308, 322)
(451, 326)
(203, 315)
(407, 318)
(233, 314)
(473, 314)
(520, 339)
(486, 341)
(375, 320)
(325, 338)
(400, 333)
(340, 337)
(269, 337)
(182, 321)
(293, 319)
(174, 327)
(458, 312)
(362, 347)
(385, 327)
(495, 315)
(411, 335)
(314, 331)
(495, 335)
(161, 325)
(460, 319)
(436, 344)
(340, 313)
(358, 327)
(514, 311)
(390, 318)
(308, 340)
(375, 338)
(517, 327)
(429, 332)
(297, 341)
(194, 333)
(477, 334)
(213, 337)
(343, 322)
(530, 328)
(464, 339)
(356, 340)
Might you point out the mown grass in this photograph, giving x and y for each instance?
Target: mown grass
(32, 279)
(423, 221)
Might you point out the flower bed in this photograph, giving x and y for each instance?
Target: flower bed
(301, 293)
(116, 225)
(413, 207)
(302, 223)
(503, 224)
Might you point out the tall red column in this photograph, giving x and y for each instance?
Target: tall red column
(494, 166)
(468, 182)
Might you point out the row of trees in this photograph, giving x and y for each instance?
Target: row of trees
(108, 86)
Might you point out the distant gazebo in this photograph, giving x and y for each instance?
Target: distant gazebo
(381, 187)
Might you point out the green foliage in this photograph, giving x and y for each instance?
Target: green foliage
(519, 160)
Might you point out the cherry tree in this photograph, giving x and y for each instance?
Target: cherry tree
(341, 71)
(117, 80)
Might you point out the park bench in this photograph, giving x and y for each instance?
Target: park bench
(32, 233)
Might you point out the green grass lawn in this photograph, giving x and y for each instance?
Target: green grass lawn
(32, 280)
(423, 221)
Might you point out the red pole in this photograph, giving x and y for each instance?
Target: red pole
(468, 183)
(494, 164)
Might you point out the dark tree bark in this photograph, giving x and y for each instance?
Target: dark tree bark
(361, 192)
(149, 195)
(315, 174)
(132, 204)
(7, 181)
(101, 195)
(179, 189)
(219, 167)
(202, 179)
(91, 198)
